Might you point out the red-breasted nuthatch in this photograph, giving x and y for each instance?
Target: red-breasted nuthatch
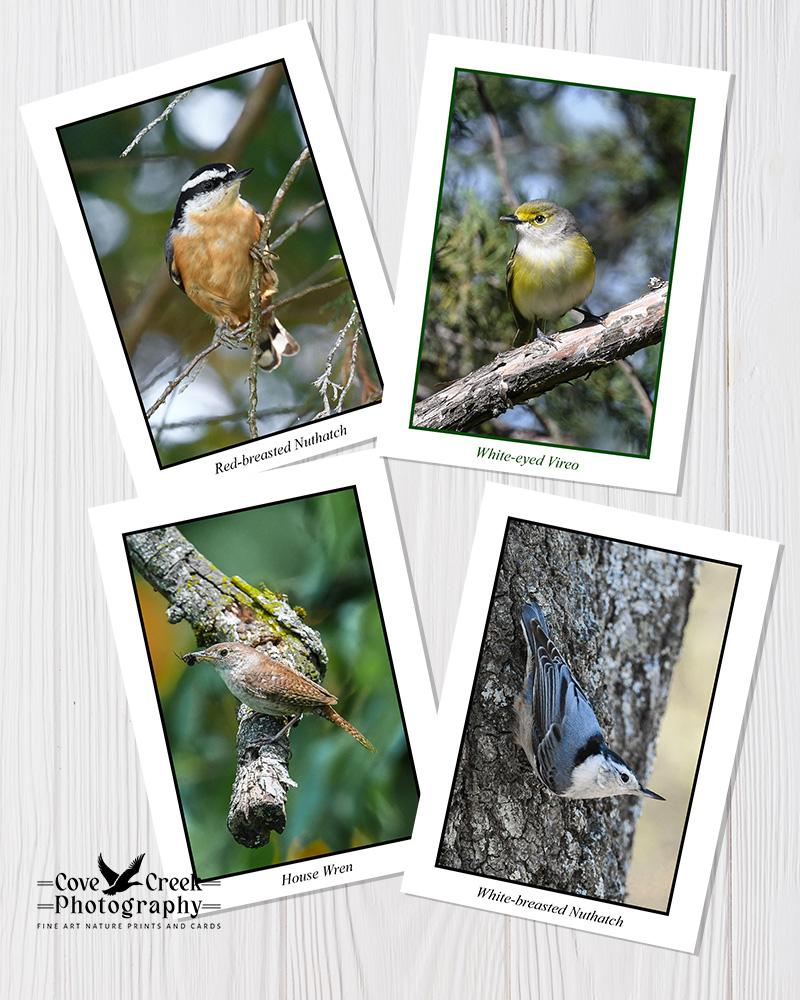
(557, 727)
(208, 250)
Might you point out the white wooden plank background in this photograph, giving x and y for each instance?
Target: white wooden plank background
(69, 768)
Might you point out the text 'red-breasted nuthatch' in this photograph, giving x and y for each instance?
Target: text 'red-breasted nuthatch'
(557, 727)
(208, 250)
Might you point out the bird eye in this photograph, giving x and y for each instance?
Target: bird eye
(540, 219)
(625, 778)
(224, 652)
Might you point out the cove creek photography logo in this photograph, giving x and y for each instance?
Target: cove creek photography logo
(114, 899)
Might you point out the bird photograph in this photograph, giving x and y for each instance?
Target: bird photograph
(303, 696)
(221, 262)
(559, 207)
(585, 724)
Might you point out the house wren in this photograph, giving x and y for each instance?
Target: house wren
(270, 687)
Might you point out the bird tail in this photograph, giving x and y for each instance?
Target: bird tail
(275, 343)
(531, 615)
(337, 720)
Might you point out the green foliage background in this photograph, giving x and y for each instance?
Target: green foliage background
(615, 159)
(314, 551)
(129, 205)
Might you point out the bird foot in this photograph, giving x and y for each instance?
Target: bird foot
(295, 719)
(264, 255)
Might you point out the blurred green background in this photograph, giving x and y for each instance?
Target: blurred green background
(661, 824)
(250, 120)
(615, 159)
(314, 551)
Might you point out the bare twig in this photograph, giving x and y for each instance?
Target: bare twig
(149, 127)
(227, 418)
(284, 300)
(331, 392)
(173, 383)
(533, 369)
(497, 143)
(638, 387)
(291, 230)
(255, 326)
(282, 191)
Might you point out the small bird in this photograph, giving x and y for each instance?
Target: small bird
(119, 882)
(209, 250)
(557, 727)
(272, 688)
(551, 269)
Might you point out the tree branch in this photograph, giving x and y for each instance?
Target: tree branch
(496, 136)
(535, 368)
(151, 125)
(185, 372)
(331, 392)
(260, 251)
(223, 608)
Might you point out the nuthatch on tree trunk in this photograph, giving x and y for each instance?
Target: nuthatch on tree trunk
(557, 727)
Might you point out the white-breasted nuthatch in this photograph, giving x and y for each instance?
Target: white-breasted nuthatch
(209, 249)
(557, 727)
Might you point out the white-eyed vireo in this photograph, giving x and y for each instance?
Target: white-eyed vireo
(550, 270)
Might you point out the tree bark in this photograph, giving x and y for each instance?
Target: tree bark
(617, 612)
(219, 608)
(533, 369)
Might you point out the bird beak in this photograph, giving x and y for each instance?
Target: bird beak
(513, 219)
(191, 658)
(241, 174)
(651, 795)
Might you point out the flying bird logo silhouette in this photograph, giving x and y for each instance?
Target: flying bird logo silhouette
(119, 882)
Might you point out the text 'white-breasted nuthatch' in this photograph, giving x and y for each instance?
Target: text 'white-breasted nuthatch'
(557, 727)
(208, 251)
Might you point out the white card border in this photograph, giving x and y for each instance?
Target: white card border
(709, 88)
(294, 44)
(678, 930)
(109, 523)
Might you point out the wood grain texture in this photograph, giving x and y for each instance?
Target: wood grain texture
(69, 764)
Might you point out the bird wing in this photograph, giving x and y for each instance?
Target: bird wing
(132, 868)
(290, 685)
(108, 873)
(169, 256)
(563, 719)
(523, 324)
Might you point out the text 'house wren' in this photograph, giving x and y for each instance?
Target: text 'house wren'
(270, 687)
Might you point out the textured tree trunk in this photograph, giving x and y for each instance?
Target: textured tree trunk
(617, 612)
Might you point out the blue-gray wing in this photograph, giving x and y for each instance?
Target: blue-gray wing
(563, 720)
(169, 256)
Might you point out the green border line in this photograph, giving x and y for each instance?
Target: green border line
(541, 444)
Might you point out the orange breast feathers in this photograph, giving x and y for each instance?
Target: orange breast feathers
(212, 256)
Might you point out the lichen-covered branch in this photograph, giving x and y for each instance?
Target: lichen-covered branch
(219, 607)
(618, 613)
(534, 368)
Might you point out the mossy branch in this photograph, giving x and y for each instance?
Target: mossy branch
(222, 608)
